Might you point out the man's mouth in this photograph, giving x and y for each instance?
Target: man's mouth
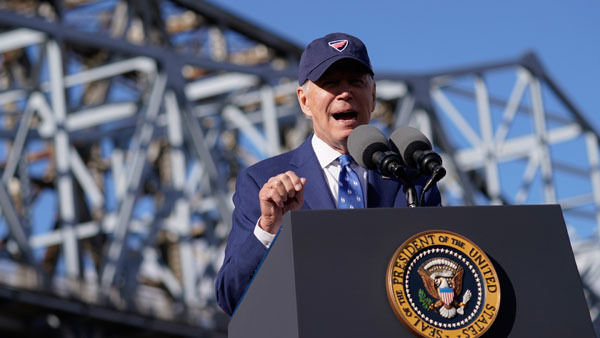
(347, 115)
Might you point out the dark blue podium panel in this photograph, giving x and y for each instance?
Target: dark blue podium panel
(325, 273)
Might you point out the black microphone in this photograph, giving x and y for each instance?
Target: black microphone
(371, 150)
(416, 151)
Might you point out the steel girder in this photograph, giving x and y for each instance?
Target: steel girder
(126, 122)
(120, 143)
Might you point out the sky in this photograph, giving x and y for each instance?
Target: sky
(430, 35)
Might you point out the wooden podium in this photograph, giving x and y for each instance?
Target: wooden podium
(324, 276)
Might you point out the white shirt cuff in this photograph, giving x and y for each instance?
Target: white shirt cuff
(264, 237)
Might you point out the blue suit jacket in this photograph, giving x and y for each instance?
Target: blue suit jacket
(244, 252)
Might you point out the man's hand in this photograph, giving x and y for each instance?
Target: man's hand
(281, 193)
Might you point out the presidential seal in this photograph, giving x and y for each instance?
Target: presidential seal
(440, 284)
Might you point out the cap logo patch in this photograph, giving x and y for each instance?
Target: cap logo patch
(338, 45)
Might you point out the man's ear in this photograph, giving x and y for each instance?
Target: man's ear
(303, 100)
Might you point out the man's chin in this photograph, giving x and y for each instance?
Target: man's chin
(342, 136)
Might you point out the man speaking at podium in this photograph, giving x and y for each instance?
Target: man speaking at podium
(337, 92)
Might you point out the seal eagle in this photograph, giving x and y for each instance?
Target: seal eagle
(443, 280)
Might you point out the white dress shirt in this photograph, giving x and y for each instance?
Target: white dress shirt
(328, 159)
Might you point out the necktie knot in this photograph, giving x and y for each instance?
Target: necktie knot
(345, 160)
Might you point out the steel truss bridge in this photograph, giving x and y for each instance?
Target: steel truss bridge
(124, 124)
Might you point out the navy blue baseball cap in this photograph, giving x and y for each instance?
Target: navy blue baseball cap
(321, 53)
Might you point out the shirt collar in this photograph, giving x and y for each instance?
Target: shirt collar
(325, 154)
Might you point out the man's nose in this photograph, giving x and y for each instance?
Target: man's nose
(344, 90)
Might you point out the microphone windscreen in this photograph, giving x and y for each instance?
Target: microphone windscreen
(363, 142)
(406, 140)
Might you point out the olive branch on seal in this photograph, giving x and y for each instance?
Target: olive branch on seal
(426, 302)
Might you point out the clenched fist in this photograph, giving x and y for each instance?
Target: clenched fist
(280, 194)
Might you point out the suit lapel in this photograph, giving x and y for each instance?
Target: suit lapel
(381, 193)
(316, 190)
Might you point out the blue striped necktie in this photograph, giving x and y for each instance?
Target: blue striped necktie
(350, 193)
